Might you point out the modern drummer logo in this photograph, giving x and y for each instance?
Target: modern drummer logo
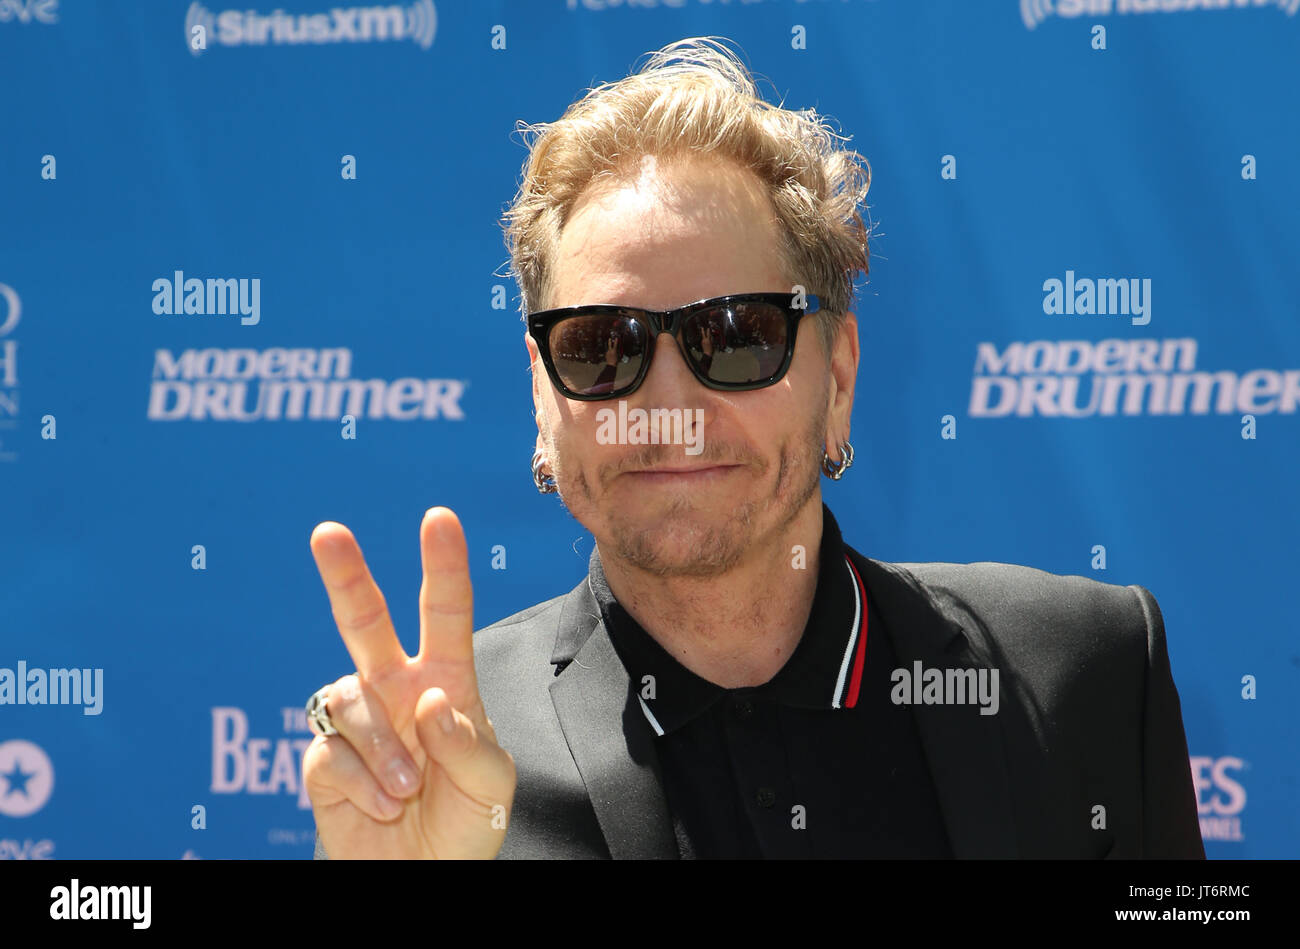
(244, 764)
(279, 384)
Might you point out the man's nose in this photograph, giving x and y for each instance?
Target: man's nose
(669, 381)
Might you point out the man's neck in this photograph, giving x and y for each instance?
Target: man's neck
(737, 629)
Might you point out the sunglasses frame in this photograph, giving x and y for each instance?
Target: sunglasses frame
(670, 322)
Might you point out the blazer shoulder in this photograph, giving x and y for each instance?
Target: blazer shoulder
(529, 616)
(518, 644)
(1018, 602)
(1011, 578)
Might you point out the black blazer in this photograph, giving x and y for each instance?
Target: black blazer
(1089, 716)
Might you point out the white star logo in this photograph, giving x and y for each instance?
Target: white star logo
(26, 778)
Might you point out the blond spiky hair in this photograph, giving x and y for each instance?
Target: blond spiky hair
(696, 96)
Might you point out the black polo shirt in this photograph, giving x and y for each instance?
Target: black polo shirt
(816, 762)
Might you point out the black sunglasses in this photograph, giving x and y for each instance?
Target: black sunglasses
(737, 342)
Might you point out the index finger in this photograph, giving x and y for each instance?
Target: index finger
(446, 597)
(360, 611)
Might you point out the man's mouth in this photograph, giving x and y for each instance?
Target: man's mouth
(669, 474)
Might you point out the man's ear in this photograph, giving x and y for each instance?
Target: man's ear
(844, 373)
(535, 368)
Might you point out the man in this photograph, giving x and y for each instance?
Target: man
(731, 679)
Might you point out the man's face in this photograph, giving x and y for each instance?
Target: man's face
(683, 232)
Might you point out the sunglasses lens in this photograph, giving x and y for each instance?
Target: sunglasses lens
(739, 344)
(599, 354)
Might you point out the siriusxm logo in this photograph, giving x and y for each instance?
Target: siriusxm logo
(417, 21)
(1034, 12)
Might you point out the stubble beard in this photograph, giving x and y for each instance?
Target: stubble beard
(679, 543)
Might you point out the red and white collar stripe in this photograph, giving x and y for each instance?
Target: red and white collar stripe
(846, 694)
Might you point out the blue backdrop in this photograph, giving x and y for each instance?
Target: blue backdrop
(346, 168)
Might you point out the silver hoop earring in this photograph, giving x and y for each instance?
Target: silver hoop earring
(545, 484)
(836, 471)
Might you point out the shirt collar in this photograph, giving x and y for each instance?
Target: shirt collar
(823, 672)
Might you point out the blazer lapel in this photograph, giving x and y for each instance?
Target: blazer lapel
(965, 750)
(608, 736)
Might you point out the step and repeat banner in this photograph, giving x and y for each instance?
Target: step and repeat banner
(224, 228)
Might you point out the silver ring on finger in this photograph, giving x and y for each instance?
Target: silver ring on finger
(318, 716)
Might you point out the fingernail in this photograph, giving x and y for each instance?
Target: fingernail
(402, 775)
(388, 806)
(446, 719)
